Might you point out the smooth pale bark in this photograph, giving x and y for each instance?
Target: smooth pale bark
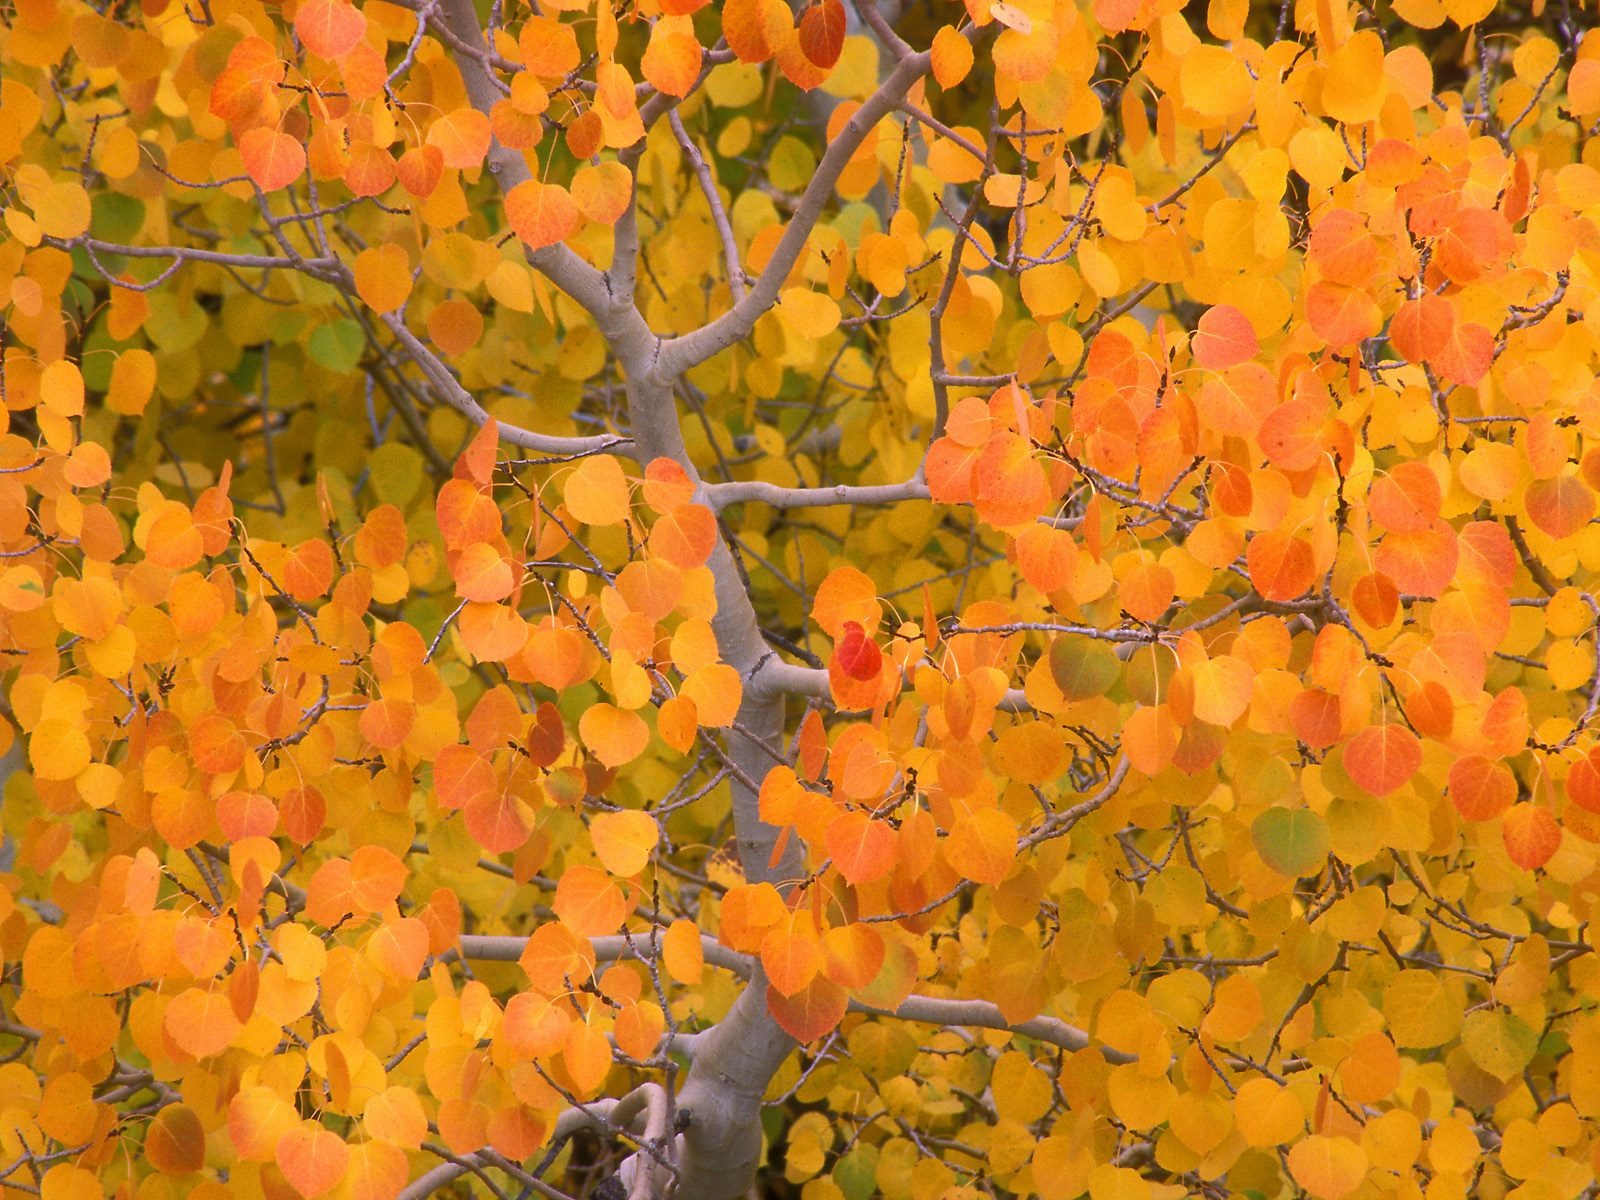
(734, 1061)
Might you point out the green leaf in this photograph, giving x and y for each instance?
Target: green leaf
(1292, 841)
(396, 473)
(1082, 667)
(1499, 1042)
(115, 217)
(336, 345)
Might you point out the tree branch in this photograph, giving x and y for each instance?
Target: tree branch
(719, 214)
(721, 495)
(463, 401)
(680, 353)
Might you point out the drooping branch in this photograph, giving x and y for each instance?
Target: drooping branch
(446, 385)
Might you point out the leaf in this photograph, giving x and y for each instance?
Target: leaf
(312, 1159)
(1499, 1042)
(202, 1022)
(383, 276)
(1382, 758)
(597, 491)
(273, 158)
(685, 536)
(1560, 507)
(858, 655)
(1342, 316)
(952, 56)
(329, 28)
(671, 61)
(1082, 667)
(791, 955)
(613, 735)
(1281, 565)
(1225, 338)
(1421, 328)
(603, 193)
(462, 139)
(822, 29)
(624, 841)
(1329, 1168)
(1531, 835)
(848, 595)
(810, 1013)
(1292, 841)
(549, 47)
(175, 1142)
(861, 848)
(1482, 789)
(589, 903)
(541, 214)
(982, 845)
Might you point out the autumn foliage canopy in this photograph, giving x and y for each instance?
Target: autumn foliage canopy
(921, 600)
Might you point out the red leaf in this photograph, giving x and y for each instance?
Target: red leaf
(858, 654)
(822, 33)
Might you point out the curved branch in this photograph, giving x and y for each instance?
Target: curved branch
(680, 353)
(980, 1014)
(450, 388)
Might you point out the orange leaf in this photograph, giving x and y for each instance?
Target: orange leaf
(623, 841)
(589, 903)
(982, 845)
(1559, 507)
(1407, 499)
(387, 723)
(861, 848)
(1382, 758)
(462, 137)
(671, 61)
(852, 955)
(597, 492)
(329, 28)
(541, 214)
(1281, 565)
(685, 536)
(202, 1022)
(613, 735)
(1421, 328)
(1225, 338)
(1342, 248)
(1482, 788)
(498, 821)
(420, 169)
(790, 954)
(810, 1013)
(1531, 835)
(312, 1159)
(1341, 316)
(175, 1143)
(273, 159)
(603, 193)
(1583, 782)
